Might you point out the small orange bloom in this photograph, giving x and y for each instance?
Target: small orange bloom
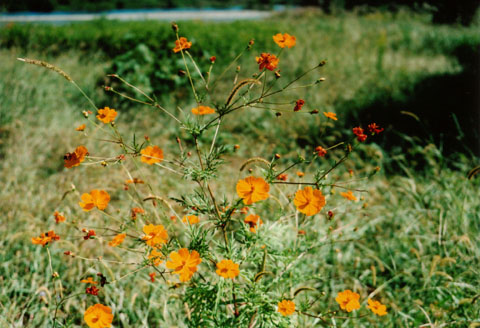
(107, 115)
(348, 300)
(155, 235)
(244, 210)
(135, 211)
(89, 280)
(252, 190)
(81, 127)
(282, 177)
(152, 155)
(253, 221)
(348, 195)
(374, 128)
(152, 276)
(227, 269)
(300, 174)
(181, 44)
(321, 152)
(358, 131)
(309, 201)
(191, 219)
(203, 110)
(286, 307)
(96, 198)
(156, 257)
(58, 217)
(331, 115)
(377, 307)
(45, 238)
(92, 290)
(184, 263)
(285, 40)
(75, 158)
(135, 180)
(98, 316)
(267, 61)
(117, 240)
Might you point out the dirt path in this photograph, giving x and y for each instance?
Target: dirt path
(166, 15)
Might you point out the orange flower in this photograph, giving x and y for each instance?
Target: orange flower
(96, 198)
(374, 128)
(286, 307)
(45, 238)
(331, 115)
(92, 290)
(98, 316)
(191, 219)
(89, 280)
(309, 201)
(282, 177)
(267, 61)
(227, 269)
(348, 195)
(58, 217)
(358, 131)
(152, 276)
(203, 110)
(135, 180)
(321, 152)
(181, 44)
(135, 211)
(348, 300)
(81, 127)
(152, 155)
(300, 174)
(106, 115)
(252, 190)
(377, 307)
(184, 263)
(156, 257)
(285, 40)
(253, 220)
(117, 240)
(155, 235)
(75, 158)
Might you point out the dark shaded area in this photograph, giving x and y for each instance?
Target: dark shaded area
(447, 107)
(444, 11)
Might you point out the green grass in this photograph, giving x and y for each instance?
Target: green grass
(414, 238)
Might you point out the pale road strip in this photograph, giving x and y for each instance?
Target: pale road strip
(209, 15)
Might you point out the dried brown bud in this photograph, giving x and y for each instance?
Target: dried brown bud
(315, 111)
(181, 72)
(277, 156)
(322, 63)
(277, 74)
(236, 146)
(278, 114)
(174, 27)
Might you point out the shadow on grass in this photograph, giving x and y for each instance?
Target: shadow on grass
(442, 109)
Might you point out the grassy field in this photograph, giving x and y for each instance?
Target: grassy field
(412, 240)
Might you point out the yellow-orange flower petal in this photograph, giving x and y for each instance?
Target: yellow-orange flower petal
(96, 198)
(117, 240)
(309, 201)
(286, 307)
(267, 61)
(151, 155)
(253, 221)
(58, 217)
(284, 40)
(252, 190)
(75, 158)
(377, 307)
(227, 269)
(81, 127)
(348, 300)
(98, 316)
(89, 280)
(107, 115)
(156, 257)
(348, 195)
(331, 115)
(191, 219)
(203, 110)
(184, 263)
(45, 238)
(155, 235)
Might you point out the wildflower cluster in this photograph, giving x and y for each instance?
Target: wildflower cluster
(216, 246)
